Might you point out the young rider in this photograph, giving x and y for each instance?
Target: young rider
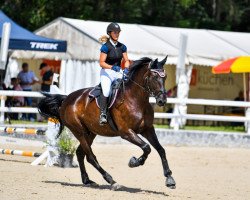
(111, 55)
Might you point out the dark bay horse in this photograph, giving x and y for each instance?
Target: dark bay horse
(132, 113)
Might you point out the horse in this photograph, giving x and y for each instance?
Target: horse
(131, 112)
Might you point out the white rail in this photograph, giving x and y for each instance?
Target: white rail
(3, 109)
(204, 117)
(14, 93)
(246, 118)
(210, 102)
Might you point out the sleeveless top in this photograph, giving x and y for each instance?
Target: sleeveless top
(114, 54)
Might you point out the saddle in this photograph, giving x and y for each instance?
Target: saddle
(96, 92)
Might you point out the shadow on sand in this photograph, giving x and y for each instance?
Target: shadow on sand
(107, 187)
(13, 160)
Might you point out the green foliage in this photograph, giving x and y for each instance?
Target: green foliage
(211, 14)
(66, 145)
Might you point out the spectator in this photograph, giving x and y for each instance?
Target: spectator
(27, 79)
(47, 77)
(240, 97)
(14, 101)
(18, 101)
(239, 111)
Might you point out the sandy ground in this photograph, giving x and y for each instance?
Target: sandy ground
(200, 173)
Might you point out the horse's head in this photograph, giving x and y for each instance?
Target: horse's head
(155, 81)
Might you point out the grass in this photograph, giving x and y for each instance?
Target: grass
(26, 122)
(208, 128)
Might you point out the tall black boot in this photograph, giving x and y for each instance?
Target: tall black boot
(103, 115)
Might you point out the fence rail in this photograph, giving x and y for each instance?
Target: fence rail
(204, 117)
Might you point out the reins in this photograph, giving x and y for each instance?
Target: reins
(147, 89)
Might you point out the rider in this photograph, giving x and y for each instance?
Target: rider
(112, 53)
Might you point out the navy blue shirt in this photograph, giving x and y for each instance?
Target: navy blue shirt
(46, 77)
(114, 53)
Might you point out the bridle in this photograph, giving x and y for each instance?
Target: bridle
(146, 88)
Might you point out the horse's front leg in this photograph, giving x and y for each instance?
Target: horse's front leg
(150, 135)
(132, 137)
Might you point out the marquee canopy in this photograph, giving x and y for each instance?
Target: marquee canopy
(204, 47)
(22, 39)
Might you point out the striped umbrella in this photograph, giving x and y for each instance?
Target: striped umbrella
(235, 65)
(239, 64)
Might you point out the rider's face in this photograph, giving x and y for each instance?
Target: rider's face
(115, 35)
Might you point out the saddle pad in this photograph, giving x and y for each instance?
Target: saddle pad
(97, 90)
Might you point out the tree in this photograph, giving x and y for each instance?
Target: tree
(211, 14)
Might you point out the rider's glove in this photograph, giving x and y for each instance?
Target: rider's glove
(125, 74)
(116, 68)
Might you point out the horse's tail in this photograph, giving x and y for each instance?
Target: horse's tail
(49, 107)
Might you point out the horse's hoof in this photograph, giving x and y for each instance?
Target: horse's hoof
(133, 162)
(170, 182)
(90, 183)
(115, 186)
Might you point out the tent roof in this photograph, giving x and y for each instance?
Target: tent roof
(22, 39)
(239, 40)
(205, 47)
(136, 39)
(201, 43)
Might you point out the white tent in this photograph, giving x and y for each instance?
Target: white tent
(80, 63)
(204, 47)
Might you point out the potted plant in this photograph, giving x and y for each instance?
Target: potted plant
(66, 149)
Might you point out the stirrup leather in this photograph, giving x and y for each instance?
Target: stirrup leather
(103, 118)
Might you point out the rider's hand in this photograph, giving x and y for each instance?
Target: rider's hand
(116, 68)
(126, 71)
(125, 74)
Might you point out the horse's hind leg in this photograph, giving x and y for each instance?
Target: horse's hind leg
(80, 157)
(153, 140)
(91, 158)
(132, 137)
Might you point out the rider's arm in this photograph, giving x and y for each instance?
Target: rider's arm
(102, 61)
(125, 58)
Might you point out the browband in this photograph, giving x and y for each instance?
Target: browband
(160, 73)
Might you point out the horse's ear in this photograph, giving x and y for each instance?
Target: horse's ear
(154, 64)
(163, 61)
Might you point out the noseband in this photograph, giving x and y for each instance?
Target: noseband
(148, 89)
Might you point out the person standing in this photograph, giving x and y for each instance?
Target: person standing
(16, 101)
(46, 77)
(27, 79)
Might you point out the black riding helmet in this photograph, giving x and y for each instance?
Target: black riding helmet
(113, 27)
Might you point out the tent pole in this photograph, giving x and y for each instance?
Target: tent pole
(247, 85)
(244, 86)
(6, 64)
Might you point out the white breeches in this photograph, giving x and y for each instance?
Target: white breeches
(107, 77)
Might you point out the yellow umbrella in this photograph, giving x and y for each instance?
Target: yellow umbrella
(239, 64)
(235, 65)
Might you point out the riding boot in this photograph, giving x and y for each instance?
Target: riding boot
(103, 106)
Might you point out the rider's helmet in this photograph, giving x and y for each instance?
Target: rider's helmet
(113, 27)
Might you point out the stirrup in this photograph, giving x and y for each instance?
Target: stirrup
(103, 119)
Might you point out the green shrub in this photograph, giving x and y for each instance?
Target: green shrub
(66, 144)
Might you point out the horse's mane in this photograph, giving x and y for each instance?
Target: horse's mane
(137, 64)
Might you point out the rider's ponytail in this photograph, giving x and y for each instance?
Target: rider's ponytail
(103, 39)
